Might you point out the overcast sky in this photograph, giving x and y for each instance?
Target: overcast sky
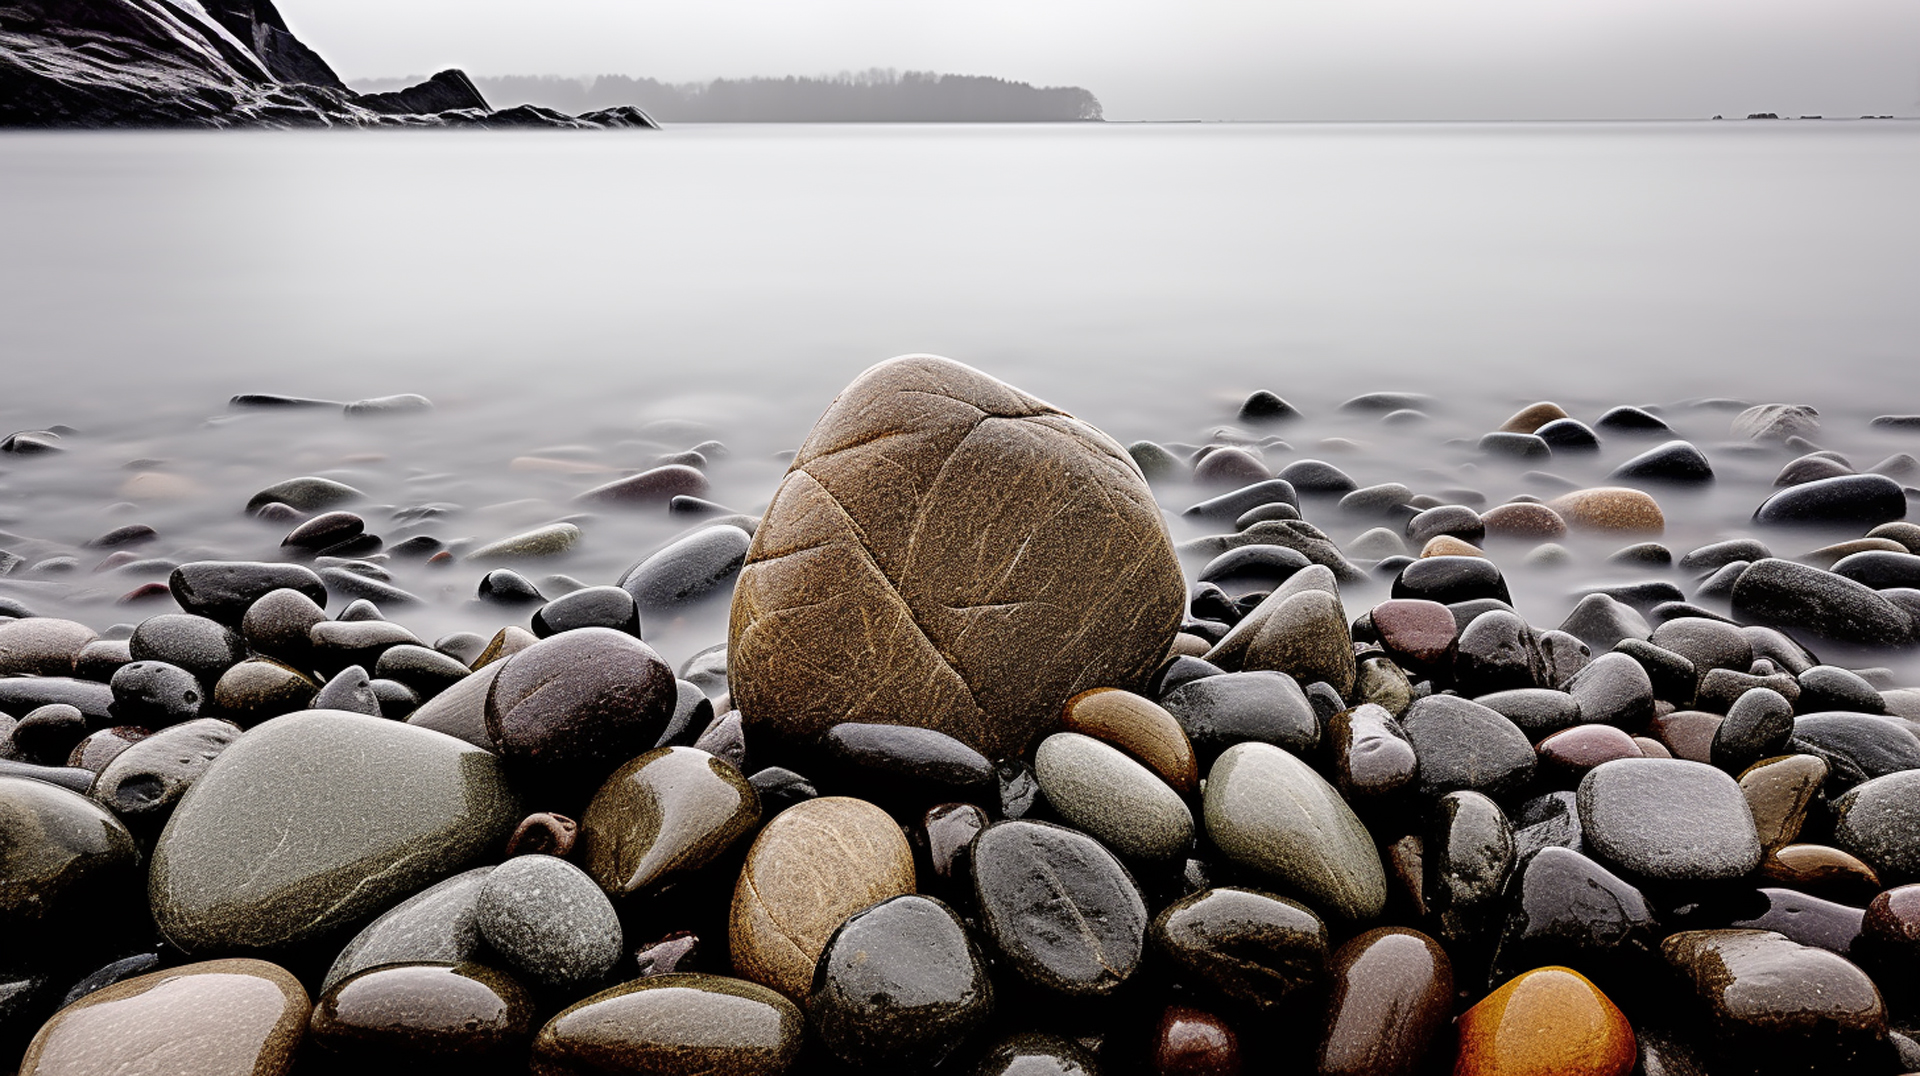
(1206, 59)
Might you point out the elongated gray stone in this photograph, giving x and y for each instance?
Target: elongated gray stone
(313, 822)
(1269, 811)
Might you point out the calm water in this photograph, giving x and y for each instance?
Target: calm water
(556, 294)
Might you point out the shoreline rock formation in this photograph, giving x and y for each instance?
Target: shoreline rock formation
(224, 63)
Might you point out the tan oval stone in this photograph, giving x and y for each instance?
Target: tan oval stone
(1139, 727)
(1778, 792)
(1528, 419)
(1446, 545)
(1611, 508)
(1523, 520)
(949, 552)
(1188, 645)
(221, 1017)
(810, 868)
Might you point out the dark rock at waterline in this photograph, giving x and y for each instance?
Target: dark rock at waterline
(1675, 461)
(223, 590)
(1568, 435)
(355, 585)
(1632, 420)
(1263, 406)
(1255, 568)
(588, 607)
(1520, 446)
(1455, 520)
(142, 63)
(1844, 500)
(1317, 477)
(324, 531)
(504, 586)
(1880, 569)
(1451, 579)
(1229, 465)
(649, 488)
(1231, 506)
(1790, 595)
(1718, 555)
(692, 567)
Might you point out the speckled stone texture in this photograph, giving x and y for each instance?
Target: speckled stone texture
(949, 552)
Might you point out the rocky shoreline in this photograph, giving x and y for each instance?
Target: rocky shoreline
(988, 773)
(225, 63)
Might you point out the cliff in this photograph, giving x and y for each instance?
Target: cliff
(215, 63)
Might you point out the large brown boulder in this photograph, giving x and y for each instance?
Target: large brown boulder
(951, 553)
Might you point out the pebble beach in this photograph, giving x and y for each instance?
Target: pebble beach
(1386, 735)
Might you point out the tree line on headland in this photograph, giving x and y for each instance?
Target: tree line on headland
(876, 96)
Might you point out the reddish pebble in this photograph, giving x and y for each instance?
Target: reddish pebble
(1190, 1042)
(1418, 634)
(1567, 755)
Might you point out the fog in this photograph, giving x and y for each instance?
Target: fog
(1200, 59)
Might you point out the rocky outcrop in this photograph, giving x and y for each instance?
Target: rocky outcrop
(214, 63)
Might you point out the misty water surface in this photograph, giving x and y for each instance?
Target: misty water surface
(555, 292)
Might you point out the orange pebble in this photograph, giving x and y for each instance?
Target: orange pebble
(1545, 1022)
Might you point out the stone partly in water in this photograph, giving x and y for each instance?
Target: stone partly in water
(677, 1025)
(1547, 1022)
(1269, 811)
(1058, 908)
(218, 1018)
(313, 822)
(977, 607)
(1789, 595)
(663, 816)
(816, 863)
(899, 984)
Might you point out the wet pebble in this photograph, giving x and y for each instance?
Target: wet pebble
(1059, 910)
(663, 816)
(899, 983)
(1098, 789)
(1668, 820)
(675, 1025)
(549, 921)
(1270, 812)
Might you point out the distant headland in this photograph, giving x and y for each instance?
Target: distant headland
(875, 96)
